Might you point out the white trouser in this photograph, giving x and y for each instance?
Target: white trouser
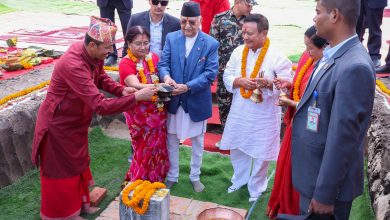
(196, 158)
(249, 170)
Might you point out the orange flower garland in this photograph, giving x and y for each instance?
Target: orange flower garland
(140, 68)
(143, 190)
(142, 76)
(111, 68)
(247, 94)
(23, 92)
(382, 87)
(298, 81)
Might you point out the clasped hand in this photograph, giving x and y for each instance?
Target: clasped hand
(319, 208)
(129, 90)
(282, 83)
(263, 83)
(145, 94)
(283, 101)
(178, 88)
(249, 84)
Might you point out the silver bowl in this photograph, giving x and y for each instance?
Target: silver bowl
(164, 92)
(219, 213)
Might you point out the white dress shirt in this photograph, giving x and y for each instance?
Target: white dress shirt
(190, 41)
(328, 53)
(156, 37)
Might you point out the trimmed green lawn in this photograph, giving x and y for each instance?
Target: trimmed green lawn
(57, 6)
(4, 9)
(295, 58)
(21, 200)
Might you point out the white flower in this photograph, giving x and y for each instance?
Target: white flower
(148, 56)
(140, 66)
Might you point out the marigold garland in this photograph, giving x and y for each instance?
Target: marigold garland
(142, 76)
(294, 67)
(111, 68)
(298, 81)
(247, 94)
(143, 190)
(140, 67)
(382, 87)
(23, 92)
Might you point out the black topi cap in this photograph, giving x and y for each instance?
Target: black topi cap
(190, 9)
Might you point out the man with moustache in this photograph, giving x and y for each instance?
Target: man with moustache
(332, 118)
(226, 28)
(252, 131)
(157, 22)
(189, 63)
(60, 145)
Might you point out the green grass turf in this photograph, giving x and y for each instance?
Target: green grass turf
(21, 200)
(4, 9)
(57, 6)
(295, 57)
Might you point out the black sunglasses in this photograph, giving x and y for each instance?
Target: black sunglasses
(163, 3)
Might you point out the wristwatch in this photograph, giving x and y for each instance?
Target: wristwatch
(188, 88)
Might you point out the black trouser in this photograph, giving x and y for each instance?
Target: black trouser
(124, 16)
(371, 18)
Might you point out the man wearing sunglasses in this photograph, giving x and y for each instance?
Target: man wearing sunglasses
(189, 63)
(157, 22)
(107, 10)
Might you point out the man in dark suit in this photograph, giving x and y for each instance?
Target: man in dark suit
(332, 118)
(158, 23)
(107, 10)
(371, 15)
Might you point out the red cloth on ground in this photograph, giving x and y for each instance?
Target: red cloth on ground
(284, 199)
(148, 132)
(208, 9)
(64, 197)
(66, 113)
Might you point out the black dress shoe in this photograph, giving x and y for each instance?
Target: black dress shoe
(377, 62)
(383, 69)
(109, 61)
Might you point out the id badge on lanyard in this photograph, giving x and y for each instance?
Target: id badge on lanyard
(313, 115)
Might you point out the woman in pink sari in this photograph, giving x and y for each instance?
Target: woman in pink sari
(147, 122)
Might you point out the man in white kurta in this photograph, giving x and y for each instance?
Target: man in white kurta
(189, 63)
(252, 132)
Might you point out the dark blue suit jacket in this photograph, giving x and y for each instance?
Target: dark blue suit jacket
(128, 3)
(203, 67)
(328, 165)
(170, 23)
(377, 3)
